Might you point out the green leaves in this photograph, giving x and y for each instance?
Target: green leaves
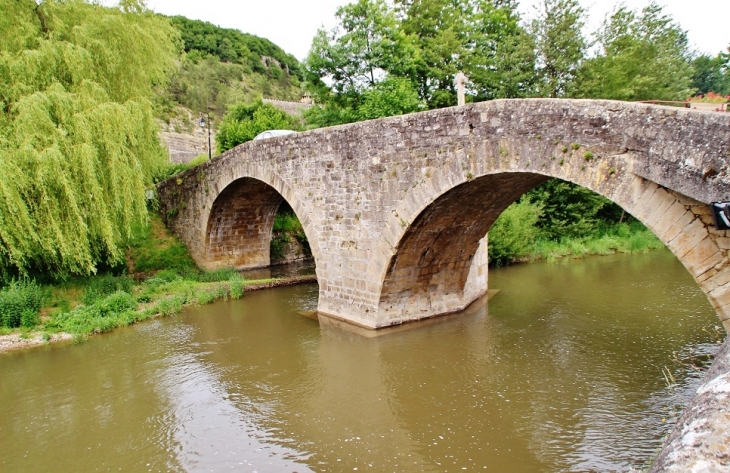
(393, 96)
(712, 74)
(568, 209)
(78, 142)
(352, 68)
(243, 122)
(560, 45)
(641, 56)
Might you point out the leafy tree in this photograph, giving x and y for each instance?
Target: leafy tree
(568, 209)
(641, 57)
(358, 53)
(712, 74)
(243, 122)
(424, 41)
(514, 232)
(502, 59)
(77, 136)
(440, 29)
(560, 46)
(393, 96)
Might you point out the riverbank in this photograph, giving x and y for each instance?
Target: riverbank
(510, 243)
(173, 297)
(158, 278)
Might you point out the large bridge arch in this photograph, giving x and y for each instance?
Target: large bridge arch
(433, 257)
(359, 190)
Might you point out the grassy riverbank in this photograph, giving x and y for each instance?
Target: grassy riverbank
(159, 279)
(578, 223)
(622, 238)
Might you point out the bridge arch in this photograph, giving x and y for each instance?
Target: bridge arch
(433, 257)
(235, 214)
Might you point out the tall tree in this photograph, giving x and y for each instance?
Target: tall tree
(501, 62)
(243, 122)
(641, 56)
(560, 46)
(78, 140)
(712, 74)
(440, 29)
(365, 46)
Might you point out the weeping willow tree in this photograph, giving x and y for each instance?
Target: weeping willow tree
(78, 141)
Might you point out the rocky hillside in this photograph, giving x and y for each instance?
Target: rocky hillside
(221, 67)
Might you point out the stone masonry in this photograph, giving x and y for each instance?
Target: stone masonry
(396, 210)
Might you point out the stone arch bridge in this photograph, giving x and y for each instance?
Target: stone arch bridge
(397, 210)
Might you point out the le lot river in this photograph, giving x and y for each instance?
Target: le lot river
(571, 367)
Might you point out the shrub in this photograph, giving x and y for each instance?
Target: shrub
(116, 303)
(170, 306)
(29, 318)
(513, 234)
(21, 299)
(276, 247)
(101, 286)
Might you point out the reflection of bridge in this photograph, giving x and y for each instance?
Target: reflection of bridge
(396, 210)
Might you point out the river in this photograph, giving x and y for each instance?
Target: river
(563, 370)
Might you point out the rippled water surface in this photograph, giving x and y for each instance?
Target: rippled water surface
(562, 372)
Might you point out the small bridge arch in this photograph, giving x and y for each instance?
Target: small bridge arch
(233, 225)
(395, 209)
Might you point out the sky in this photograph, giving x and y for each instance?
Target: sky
(291, 24)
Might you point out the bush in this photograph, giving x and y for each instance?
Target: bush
(513, 234)
(101, 286)
(569, 210)
(116, 303)
(29, 318)
(21, 300)
(170, 306)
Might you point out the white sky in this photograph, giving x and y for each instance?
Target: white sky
(291, 24)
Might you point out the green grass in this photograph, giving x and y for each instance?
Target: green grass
(155, 249)
(165, 280)
(622, 238)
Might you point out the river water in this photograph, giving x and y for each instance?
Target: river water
(562, 371)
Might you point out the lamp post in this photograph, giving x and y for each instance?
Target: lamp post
(202, 125)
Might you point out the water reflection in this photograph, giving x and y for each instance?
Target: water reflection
(562, 373)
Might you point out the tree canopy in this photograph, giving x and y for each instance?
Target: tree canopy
(201, 38)
(712, 74)
(560, 46)
(634, 55)
(78, 139)
(641, 56)
(424, 42)
(243, 122)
